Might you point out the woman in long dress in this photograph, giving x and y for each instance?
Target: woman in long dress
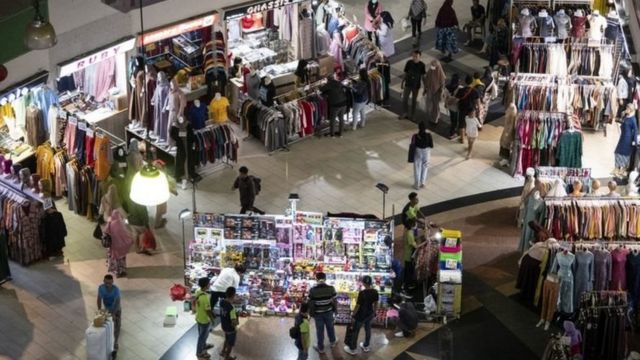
(121, 241)
(435, 79)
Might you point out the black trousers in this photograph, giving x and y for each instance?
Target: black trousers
(215, 297)
(454, 117)
(373, 37)
(246, 208)
(408, 274)
(406, 92)
(416, 27)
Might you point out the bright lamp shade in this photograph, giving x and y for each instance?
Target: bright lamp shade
(40, 35)
(149, 187)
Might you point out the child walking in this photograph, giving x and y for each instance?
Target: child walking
(229, 322)
(304, 340)
(473, 124)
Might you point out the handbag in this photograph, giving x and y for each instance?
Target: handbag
(178, 292)
(106, 240)
(148, 240)
(412, 149)
(97, 232)
(406, 23)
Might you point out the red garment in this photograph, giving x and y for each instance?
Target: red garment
(446, 15)
(618, 271)
(247, 22)
(307, 125)
(578, 26)
(89, 142)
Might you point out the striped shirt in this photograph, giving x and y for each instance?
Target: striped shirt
(321, 297)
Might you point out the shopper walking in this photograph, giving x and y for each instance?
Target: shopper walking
(363, 314)
(467, 102)
(422, 145)
(109, 297)
(121, 242)
(228, 277)
(361, 91)
(249, 187)
(447, 25)
(229, 323)
(385, 34)
(434, 87)
(110, 201)
(303, 341)
(335, 93)
(204, 318)
(372, 19)
(451, 102)
(322, 299)
(477, 20)
(473, 124)
(418, 17)
(414, 76)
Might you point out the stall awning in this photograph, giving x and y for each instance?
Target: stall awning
(83, 61)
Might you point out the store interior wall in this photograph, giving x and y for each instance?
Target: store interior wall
(85, 25)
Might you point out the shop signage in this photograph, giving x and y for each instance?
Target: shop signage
(175, 30)
(86, 61)
(257, 7)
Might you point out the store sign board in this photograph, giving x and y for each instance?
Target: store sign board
(311, 218)
(175, 30)
(96, 57)
(257, 7)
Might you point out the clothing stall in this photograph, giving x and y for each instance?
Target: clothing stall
(25, 118)
(93, 86)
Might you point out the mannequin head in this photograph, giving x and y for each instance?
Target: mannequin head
(162, 78)
(525, 12)
(577, 187)
(45, 187)
(196, 103)
(579, 13)
(15, 170)
(173, 84)
(595, 186)
(217, 96)
(630, 109)
(596, 12)
(25, 176)
(267, 80)
(35, 182)
(612, 185)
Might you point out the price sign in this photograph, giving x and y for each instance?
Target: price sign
(182, 134)
(73, 120)
(82, 126)
(89, 132)
(47, 203)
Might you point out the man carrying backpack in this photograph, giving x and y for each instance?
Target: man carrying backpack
(249, 186)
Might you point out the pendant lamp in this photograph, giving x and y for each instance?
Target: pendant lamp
(39, 33)
(150, 186)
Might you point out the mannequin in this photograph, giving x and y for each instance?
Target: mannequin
(628, 135)
(175, 104)
(558, 189)
(546, 24)
(508, 132)
(335, 49)
(613, 187)
(597, 24)
(527, 23)
(159, 99)
(533, 208)
(563, 24)
(267, 91)
(150, 89)
(197, 115)
(632, 188)
(529, 264)
(595, 188)
(137, 109)
(577, 189)
(182, 133)
(15, 171)
(252, 82)
(25, 178)
(529, 186)
(578, 24)
(43, 187)
(218, 109)
(613, 26)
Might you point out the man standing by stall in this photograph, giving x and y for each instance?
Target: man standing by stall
(228, 277)
(322, 299)
(335, 93)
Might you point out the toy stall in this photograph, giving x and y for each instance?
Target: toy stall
(282, 253)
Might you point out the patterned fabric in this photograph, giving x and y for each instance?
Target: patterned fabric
(447, 40)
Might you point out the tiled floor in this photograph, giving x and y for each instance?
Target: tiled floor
(45, 310)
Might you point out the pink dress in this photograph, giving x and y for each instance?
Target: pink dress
(618, 271)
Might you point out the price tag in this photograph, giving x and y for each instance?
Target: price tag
(73, 120)
(182, 134)
(47, 203)
(89, 132)
(550, 39)
(122, 164)
(82, 126)
(451, 264)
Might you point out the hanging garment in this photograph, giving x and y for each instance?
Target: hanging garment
(583, 269)
(53, 231)
(563, 24)
(569, 153)
(184, 140)
(533, 211)
(618, 269)
(562, 265)
(597, 24)
(159, 101)
(218, 110)
(36, 133)
(578, 26)
(632, 270)
(602, 269)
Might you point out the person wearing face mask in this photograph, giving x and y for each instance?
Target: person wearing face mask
(626, 142)
(372, 19)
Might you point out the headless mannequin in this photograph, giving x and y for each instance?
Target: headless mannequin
(137, 109)
(182, 134)
(198, 115)
(578, 24)
(563, 24)
(547, 25)
(267, 91)
(175, 104)
(150, 88)
(597, 24)
(527, 23)
(252, 82)
(159, 99)
(219, 109)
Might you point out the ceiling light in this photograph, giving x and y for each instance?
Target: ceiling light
(39, 33)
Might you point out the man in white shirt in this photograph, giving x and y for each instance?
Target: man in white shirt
(228, 277)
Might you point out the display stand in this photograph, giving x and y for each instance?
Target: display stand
(282, 253)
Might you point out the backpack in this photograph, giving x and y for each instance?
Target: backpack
(294, 331)
(257, 183)
(360, 92)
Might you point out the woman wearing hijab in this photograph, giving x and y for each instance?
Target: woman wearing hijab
(385, 35)
(447, 24)
(372, 19)
(110, 201)
(120, 243)
(433, 91)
